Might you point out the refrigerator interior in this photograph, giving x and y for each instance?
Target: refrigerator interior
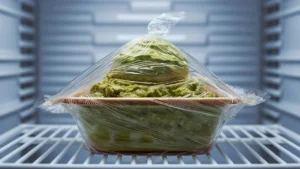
(252, 44)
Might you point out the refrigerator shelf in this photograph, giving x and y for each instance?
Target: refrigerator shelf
(239, 146)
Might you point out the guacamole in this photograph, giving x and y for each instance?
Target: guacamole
(150, 67)
(109, 87)
(149, 60)
(156, 128)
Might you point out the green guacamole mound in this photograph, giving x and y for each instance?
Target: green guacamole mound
(149, 67)
(149, 59)
(191, 87)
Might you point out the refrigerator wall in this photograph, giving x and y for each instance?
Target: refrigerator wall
(281, 65)
(18, 63)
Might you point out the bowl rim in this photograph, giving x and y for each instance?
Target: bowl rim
(145, 101)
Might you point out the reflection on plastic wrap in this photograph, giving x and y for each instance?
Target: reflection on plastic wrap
(150, 97)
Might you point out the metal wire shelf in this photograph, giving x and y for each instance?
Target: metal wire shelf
(239, 146)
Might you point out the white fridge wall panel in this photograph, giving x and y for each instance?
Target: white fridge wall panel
(15, 62)
(89, 28)
(282, 63)
(10, 74)
(289, 121)
(290, 25)
(9, 68)
(9, 121)
(8, 33)
(222, 35)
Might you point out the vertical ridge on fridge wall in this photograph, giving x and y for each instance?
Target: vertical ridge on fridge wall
(282, 62)
(17, 76)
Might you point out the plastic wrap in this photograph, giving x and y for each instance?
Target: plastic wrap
(150, 97)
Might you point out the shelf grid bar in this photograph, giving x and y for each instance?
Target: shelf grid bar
(253, 134)
(103, 160)
(291, 155)
(20, 138)
(22, 147)
(89, 158)
(242, 157)
(180, 160)
(71, 161)
(197, 161)
(45, 154)
(253, 152)
(149, 160)
(165, 161)
(40, 145)
(60, 155)
(228, 160)
(133, 162)
(211, 159)
(278, 159)
(119, 158)
(285, 140)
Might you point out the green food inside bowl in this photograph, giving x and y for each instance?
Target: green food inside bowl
(191, 87)
(149, 67)
(148, 128)
(149, 59)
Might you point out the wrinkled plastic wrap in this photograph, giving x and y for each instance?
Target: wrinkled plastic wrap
(150, 97)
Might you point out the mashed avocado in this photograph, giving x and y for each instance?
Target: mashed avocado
(149, 60)
(150, 67)
(160, 128)
(109, 87)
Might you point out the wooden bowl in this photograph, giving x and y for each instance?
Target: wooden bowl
(104, 135)
(98, 101)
